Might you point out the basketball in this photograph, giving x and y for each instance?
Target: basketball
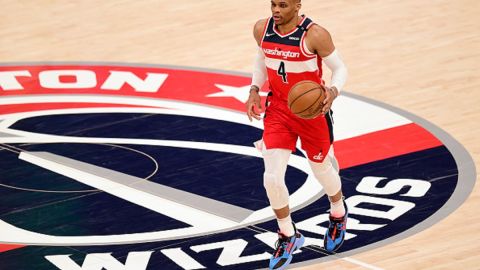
(305, 99)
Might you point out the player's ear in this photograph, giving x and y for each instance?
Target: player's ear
(298, 5)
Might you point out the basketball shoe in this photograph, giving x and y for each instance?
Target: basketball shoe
(336, 232)
(285, 247)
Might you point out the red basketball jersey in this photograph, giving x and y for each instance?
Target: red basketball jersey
(287, 59)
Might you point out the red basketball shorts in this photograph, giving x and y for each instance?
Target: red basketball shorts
(282, 129)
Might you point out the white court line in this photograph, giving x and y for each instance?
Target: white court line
(360, 263)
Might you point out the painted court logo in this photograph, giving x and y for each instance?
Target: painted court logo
(149, 167)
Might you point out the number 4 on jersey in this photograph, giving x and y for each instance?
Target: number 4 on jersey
(281, 72)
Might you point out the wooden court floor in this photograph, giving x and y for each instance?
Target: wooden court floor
(420, 56)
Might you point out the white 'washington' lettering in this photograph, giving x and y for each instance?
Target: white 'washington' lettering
(284, 54)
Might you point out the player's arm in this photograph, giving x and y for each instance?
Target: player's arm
(320, 42)
(259, 74)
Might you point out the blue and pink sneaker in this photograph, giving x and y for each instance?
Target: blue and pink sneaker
(336, 231)
(285, 247)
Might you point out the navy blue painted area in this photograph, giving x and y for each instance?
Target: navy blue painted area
(142, 126)
(17, 173)
(33, 257)
(231, 178)
(237, 178)
(434, 165)
(92, 214)
(74, 213)
(225, 177)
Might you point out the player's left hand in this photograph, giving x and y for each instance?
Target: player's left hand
(253, 103)
(330, 95)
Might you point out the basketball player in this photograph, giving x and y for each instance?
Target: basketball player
(291, 49)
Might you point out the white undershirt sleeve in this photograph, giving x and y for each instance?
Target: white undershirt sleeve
(259, 69)
(338, 68)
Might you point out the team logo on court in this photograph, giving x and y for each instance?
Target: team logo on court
(150, 167)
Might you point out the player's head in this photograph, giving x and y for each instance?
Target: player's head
(283, 11)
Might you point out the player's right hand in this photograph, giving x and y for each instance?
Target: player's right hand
(252, 102)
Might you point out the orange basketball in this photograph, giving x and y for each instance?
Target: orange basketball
(305, 99)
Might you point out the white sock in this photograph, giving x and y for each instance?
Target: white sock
(337, 209)
(286, 226)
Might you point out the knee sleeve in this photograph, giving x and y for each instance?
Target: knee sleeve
(277, 191)
(276, 161)
(327, 175)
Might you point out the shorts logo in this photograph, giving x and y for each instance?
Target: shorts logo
(318, 157)
(151, 167)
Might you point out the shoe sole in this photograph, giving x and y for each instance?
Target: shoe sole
(299, 243)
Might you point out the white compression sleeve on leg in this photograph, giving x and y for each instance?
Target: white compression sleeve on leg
(276, 161)
(338, 68)
(327, 175)
(259, 69)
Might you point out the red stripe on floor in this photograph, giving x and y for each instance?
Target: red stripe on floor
(384, 144)
(5, 247)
